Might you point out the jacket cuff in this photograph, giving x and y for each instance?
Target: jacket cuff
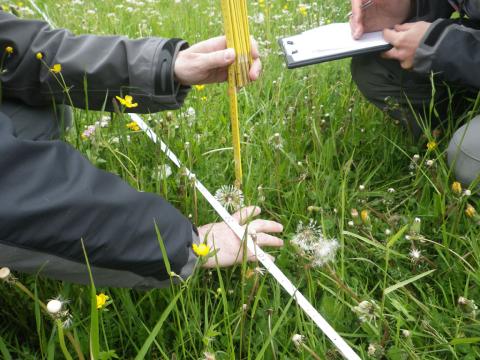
(425, 54)
(171, 91)
(189, 267)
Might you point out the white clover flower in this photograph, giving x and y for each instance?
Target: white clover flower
(230, 197)
(367, 310)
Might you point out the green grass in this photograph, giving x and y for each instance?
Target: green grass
(333, 142)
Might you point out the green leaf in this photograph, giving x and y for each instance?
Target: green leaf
(406, 282)
(4, 351)
(151, 338)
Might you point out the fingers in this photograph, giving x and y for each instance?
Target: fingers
(210, 45)
(391, 36)
(266, 226)
(393, 54)
(403, 27)
(356, 20)
(268, 240)
(253, 258)
(216, 59)
(255, 70)
(244, 214)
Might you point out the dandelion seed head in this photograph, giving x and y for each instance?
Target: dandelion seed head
(230, 197)
(5, 273)
(54, 307)
(415, 255)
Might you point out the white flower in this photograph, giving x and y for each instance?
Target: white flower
(297, 340)
(230, 197)
(467, 192)
(5, 274)
(391, 190)
(366, 310)
(276, 141)
(361, 187)
(388, 232)
(406, 333)
(54, 306)
(415, 255)
(259, 18)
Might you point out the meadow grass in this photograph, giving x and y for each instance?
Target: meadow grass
(312, 149)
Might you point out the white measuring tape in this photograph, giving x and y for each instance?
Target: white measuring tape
(242, 233)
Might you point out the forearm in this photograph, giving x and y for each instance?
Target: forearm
(51, 198)
(95, 69)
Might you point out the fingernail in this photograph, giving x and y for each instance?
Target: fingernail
(229, 55)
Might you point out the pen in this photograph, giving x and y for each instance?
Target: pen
(364, 6)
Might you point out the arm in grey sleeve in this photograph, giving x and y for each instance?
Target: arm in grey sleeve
(431, 10)
(52, 198)
(95, 68)
(452, 51)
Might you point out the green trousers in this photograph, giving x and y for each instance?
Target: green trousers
(406, 96)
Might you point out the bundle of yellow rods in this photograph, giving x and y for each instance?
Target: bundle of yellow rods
(235, 19)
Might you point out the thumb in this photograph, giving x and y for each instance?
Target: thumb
(217, 59)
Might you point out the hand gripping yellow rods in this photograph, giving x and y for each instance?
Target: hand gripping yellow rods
(235, 19)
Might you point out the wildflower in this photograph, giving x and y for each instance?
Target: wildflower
(388, 232)
(351, 223)
(376, 351)
(356, 217)
(201, 250)
(56, 68)
(470, 211)
(5, 274)
(276, 141)
(457, 188)
(467, 306)
(416, 158)
(310, 241)
(467, 192)
(230, 197)
(127, 101)
(39, 56)
(430, 163)
(302, 9)
(391, 191)
(366, 310)
(54, 307)
(415, 255)
(406, 333)
(432, 145)
(102, 300)
(415, 228)
(365, 218)
(209, 356)
(9, 50)
(298, 340)
(361, 187)
(133, 126)
(199, 87)
(88, 132)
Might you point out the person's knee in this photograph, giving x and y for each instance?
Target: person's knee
(464, 152)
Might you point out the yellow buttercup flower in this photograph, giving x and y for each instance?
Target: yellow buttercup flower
(39, 56)
(302, 9)
(133, 126)
(102, 300)
(127, 101)
(199, 87)
(57, 68)
(201, 250)
(457, 188)
(432, 145)
(470, 211)
(9, 50)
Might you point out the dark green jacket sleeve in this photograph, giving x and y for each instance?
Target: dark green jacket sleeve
(451, 49)
(51, 198)
(94, 68)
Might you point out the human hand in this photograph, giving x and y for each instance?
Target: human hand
(405, 39)
(230, 248)
(383, 14)
(207, 62)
